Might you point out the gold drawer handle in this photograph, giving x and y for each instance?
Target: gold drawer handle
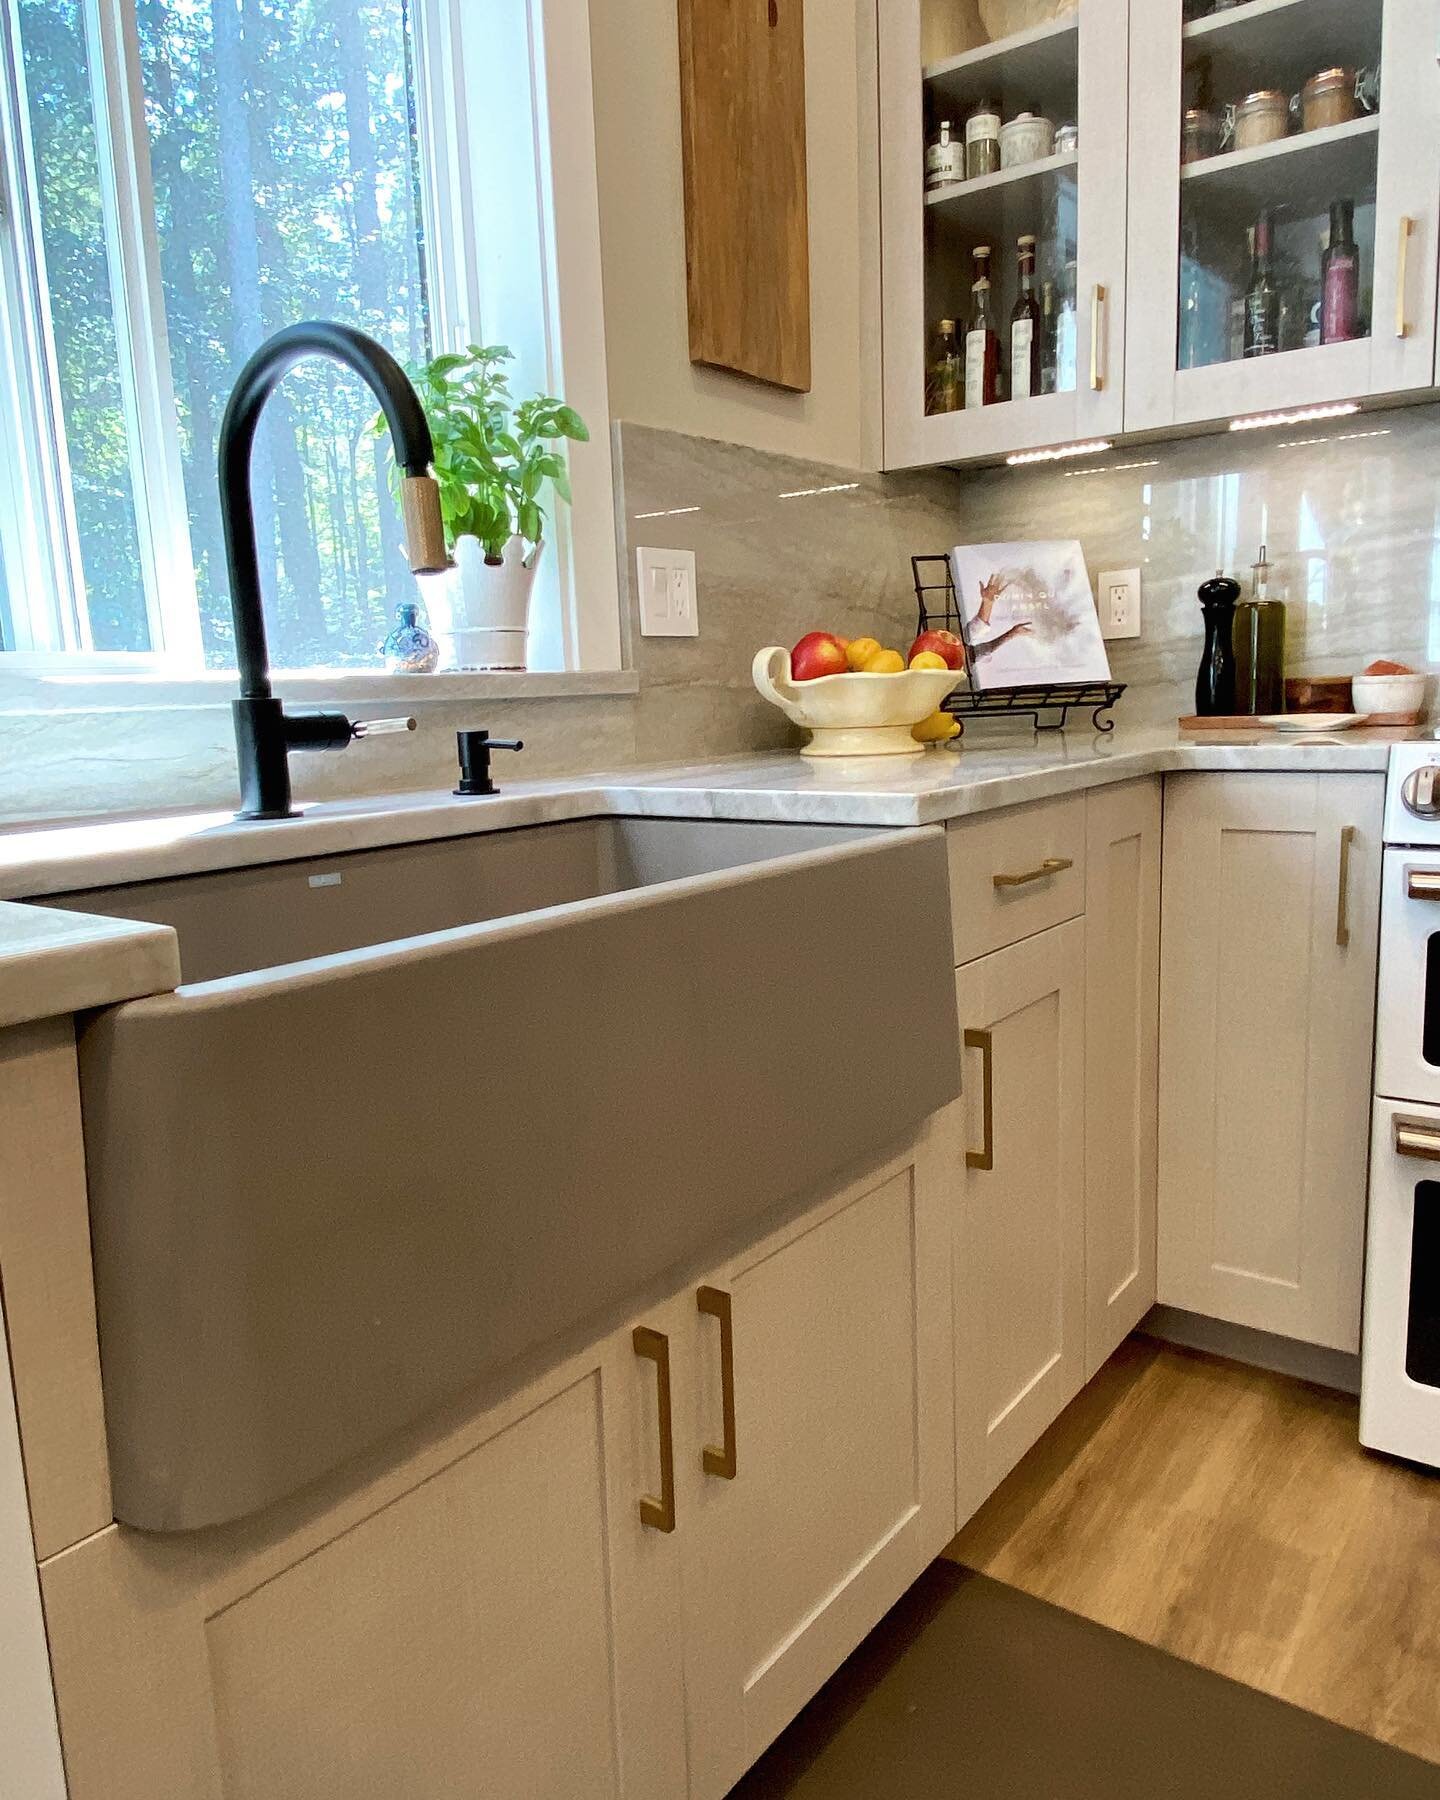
(1422, 884)
(1342, 897)
(654, 1346)
(1402, 324)
(984, 1157)
(719, 1459)
(1415, 1139)
(1052, 865)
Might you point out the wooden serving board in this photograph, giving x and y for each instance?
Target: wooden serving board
(1249, 722)
(747, 228)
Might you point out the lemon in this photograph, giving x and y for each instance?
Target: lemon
(860, 650)
(939, 728)
(928, 659)
(884, 662)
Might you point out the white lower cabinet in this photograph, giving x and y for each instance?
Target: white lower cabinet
(505, 1613)
(843, 1488)
(1122, 1023)
(1019, 1248)
(1271, 899)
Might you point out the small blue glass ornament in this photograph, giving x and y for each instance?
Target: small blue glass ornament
(410, 649)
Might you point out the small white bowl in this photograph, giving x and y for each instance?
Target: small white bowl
(1389, 693)
(854, 715)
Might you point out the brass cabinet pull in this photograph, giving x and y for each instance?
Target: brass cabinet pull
(1342, 895)
(1097, 355)
(1402, 324)
(1414, 1139)
(1422, 884)
(654, 1346)
(984, 1157)
(1052, 865)
(718, 1459)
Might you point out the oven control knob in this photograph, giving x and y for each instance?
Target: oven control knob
(1421, 791)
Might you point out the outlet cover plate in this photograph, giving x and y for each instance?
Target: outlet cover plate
(667, 593)
(1117, 599)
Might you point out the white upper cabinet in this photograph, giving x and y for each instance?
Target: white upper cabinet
(1226, 139)
(966, 60)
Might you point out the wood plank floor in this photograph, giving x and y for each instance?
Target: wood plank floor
(1231, 1517)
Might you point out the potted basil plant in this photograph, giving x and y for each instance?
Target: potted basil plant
(496, 463)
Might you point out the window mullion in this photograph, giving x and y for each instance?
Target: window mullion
(446, 186)
(41, 538)
(132, 246)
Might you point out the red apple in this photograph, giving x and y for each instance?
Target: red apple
(818, 653)
(944, 643)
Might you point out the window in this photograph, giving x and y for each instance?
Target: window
(180, 178)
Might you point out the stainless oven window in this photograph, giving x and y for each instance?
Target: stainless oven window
(1422, 1332)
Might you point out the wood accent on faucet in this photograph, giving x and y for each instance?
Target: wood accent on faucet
(48, 1291)
(747, 231)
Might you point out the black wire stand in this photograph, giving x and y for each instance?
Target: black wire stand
(939, 608)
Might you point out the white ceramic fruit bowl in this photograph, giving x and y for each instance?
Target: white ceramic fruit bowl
(854, 715)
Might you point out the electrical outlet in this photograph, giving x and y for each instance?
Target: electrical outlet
(667, 593)
(1118, 603)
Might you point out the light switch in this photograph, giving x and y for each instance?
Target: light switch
(1117, 600)
(667, 593)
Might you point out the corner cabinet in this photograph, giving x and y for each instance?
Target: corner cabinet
(1191, 224)
(937, 62)
(1271, 901)
(1145, 227)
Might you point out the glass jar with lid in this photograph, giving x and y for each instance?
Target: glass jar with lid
(1329, 98)
(1261, 118)
(982, 140)
(1199, 135)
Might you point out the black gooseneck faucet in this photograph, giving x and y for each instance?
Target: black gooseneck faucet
(265, 733)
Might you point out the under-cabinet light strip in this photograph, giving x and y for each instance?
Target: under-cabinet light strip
(1302, 415)
(1092, 448)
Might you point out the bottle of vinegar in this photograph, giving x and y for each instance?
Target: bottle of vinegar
(982, 340)
(1025, 328)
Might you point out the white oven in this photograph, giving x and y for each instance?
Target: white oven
(1407, 1026)
(1400, 1364)
(1400, 1347)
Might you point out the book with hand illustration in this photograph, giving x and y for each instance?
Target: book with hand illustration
(1027, 614)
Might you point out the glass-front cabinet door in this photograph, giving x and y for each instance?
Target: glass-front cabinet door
(1284, 184)
(1003, 164)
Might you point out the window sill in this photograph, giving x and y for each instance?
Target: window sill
(54, 690)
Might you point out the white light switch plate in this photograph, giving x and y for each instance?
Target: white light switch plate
(667, 593)
(1117, 599)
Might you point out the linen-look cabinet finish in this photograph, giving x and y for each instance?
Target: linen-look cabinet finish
(1054, 1168)
(1271, 898)
(623, 1580)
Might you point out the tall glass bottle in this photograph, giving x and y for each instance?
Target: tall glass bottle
(982, 339)
(1025, 328)
(1262, 296)
(1048, 322)
(1340, 277)
(945, 372)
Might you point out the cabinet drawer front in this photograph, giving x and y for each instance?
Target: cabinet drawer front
(1016, 872)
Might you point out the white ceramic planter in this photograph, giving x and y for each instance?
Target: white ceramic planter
(481, 611)
(854, 715)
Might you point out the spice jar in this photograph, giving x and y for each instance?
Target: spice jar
(1261, 118)
(982, 140)
(1025, 138)
(1329, 99)
(1067, 138)
(1199, 135)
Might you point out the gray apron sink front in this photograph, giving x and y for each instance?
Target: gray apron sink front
(418, 1112)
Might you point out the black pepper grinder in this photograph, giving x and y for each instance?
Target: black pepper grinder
(1215, 684)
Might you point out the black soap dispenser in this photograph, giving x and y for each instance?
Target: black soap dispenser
(1215, 684)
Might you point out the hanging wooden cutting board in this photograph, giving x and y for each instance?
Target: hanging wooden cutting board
(747, 234)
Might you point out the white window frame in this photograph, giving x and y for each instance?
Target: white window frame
(513, 257)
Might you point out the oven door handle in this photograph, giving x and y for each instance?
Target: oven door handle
(1415, 1139)
(1422, 884)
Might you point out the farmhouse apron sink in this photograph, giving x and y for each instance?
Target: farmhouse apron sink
(418, 1111)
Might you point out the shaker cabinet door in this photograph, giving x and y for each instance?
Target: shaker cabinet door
(1271, 901)
(1019, 1255)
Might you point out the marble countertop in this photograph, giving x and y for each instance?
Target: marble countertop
(53, 962)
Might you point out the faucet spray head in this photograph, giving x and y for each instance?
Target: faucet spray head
(424, 528)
